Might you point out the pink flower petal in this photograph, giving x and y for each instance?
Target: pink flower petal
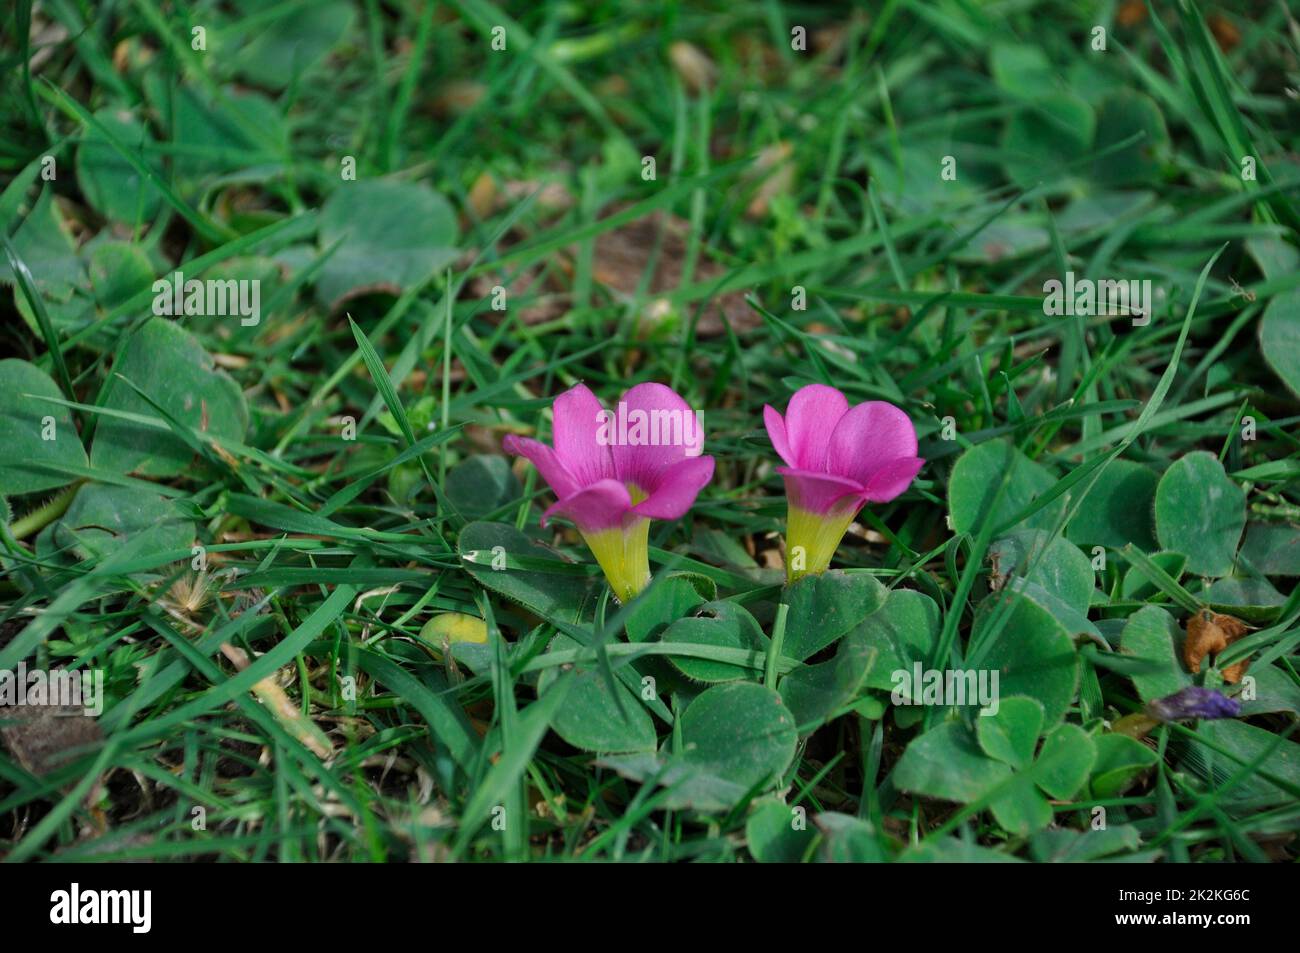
(547, 463)
(810, 420)
(669, 433)
(892, 478)
(867, 437)
(775, 424)
(577, 420)
(677, 489)
(817, 493)
(600, 506)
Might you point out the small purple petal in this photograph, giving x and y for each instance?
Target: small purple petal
(775, 424)
(817, 493)
(810, 419)
(602, 505)
(1194, 701)
(677, 489)
(577, 420)
(867, 437)
(669, 432)
(890, 479)
(547, 463)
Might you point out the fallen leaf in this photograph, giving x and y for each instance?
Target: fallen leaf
(623, 254)
(777, 172)
(1212, 632)
(695, 69)
(45, 737)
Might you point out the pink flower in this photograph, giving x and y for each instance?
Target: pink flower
(614, 472)
(837, 459)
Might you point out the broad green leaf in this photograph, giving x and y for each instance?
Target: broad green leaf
(1152, 634)
(1200, 513)
(1062, 845)
(164, 361)
(736, 738)
(236, 131)
(480, 485)
(724, 624)
(1043, 138)
(660, 606)
(1279, 337)
(815, 693)
(1021, 810)
(1275, 256)
(1023, 70)
(25, 423)
(1254, 600)
(267, 273)
(1273, 689)
(1137, 585)
(777, 833)
(823, 607)
(846, 839)
(561, 595)
(592, 717)
(118, 272)
(394, 235)
(1034, 654)
(1056, 564)
(1118, 509)
(293, 42)
(113, 186)
(1272, 549)
(44, 245)
(102, 517)
(1063, 763)
(1124, 114)
(1011, 734)
(976, 477)
(1246, 743)
(1120, 759)
(946, 762)
(950, 850)
(903, 632)
(739, 731)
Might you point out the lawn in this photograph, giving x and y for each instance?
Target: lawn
(947, 505)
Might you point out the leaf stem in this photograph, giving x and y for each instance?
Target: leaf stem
(43, 515)
(774, 650)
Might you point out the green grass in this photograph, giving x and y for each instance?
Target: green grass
(330, 548)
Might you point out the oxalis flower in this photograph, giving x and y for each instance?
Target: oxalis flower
(613, 472)
(837, 459)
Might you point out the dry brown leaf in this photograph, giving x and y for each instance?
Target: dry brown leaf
(458, 96)
(692, 65)
(1212, 632)
(551, 196)
(274, 698)
(773, 164)
(1225, 32)
(1131, 13)
(45, 737)
(547, 302)
(483, 195)
(623, 254)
